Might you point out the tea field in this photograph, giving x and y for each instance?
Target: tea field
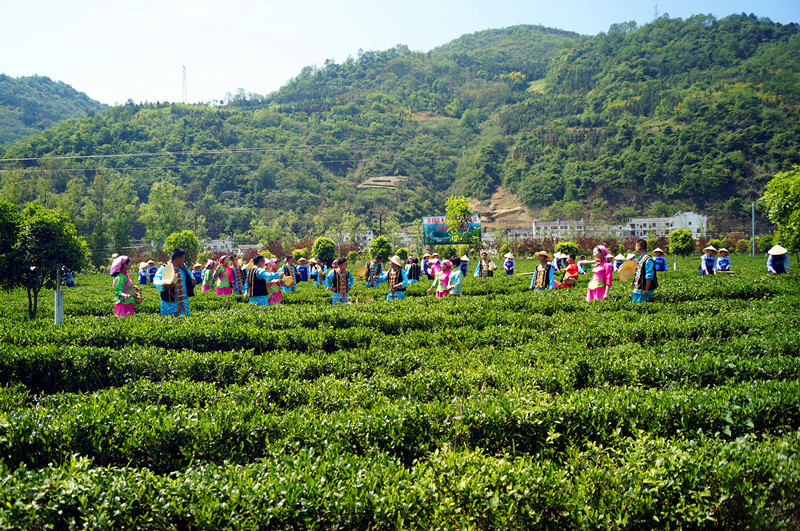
(502, 409)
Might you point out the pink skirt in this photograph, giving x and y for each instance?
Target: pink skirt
(441, 294)
(123, 310)
(206, 288)
(275, 298)
(224, 291)
(597, 294)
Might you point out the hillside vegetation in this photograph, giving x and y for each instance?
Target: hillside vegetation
(30, 105)
(674, 115)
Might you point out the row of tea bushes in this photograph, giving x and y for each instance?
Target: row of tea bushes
(642, 482)
(167, 426)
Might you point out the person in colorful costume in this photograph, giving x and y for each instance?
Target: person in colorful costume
(618, 261)
(175, 295)
(224, 276)
(778, 260)
(375, 272)
(275, 290)
(397, 280)
(413, 270)
(123, 286)
(646, 280)
(464, 265)
(602, 275)
(723, 262)
(318, 272)
(659, 260)
(456, 279)
(570, 274)
(441, 280)
(485, 267)
(434, 265)
(509, 264)
(289, 270)
(302, 269)
(708, 262)
(544, 274)
(208, 276)
(197, 273)
(258, 281)
(339, 281)
(143, 274)
(426, 266)
(238, 280)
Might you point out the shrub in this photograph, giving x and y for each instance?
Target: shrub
(567, 247)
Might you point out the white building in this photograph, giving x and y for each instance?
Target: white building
(636, 227)
(643, 227)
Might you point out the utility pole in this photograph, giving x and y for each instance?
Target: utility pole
(753, 229)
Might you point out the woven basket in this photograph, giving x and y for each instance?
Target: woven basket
(137, 296)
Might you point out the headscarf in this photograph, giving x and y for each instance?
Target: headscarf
(447, 263)
(605, 252)
(116, 265)
(209, 264)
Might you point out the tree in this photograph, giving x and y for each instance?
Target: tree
(380, 246)
(46, 241)
(681, 242)
(300, 253)
(324, 249)
(185, 240)
(164, 212)
(458, 213)
(782, 199)
(567, 247)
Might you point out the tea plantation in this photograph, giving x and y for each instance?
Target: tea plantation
(502, 409)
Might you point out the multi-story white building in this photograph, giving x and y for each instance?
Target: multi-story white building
(643, 227)
(636, 227)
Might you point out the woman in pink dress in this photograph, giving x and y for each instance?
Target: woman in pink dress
(274, 287)
(123, 286)
(441, 279)
(602, 274)
(225, 277)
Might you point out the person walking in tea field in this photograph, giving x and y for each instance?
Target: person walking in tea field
(208, 276)
(441, 280)
(723, 262)
(397, 279)
(197, 273)
(224, 277)
(708, 262)
(456, 278)
(339, 281)
(570, 273)
(485, 267)
(646, 279)
(602, 275)
(509, 264)
(177, 287)
(778, 260)
(123, 286)
(289, 271)
(143, 273)
(302, 269)
(318, 272)
(375, 271)
(544, 274)
(275, 289)
(413, 271)
(259, 280)
(152, 268)
(659, 260)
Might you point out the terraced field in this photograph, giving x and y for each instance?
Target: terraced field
(505, 409)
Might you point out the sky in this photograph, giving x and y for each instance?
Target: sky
(115, 51)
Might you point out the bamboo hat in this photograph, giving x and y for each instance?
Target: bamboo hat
(508, 255)
(362, 272)
(619, 258)
(396, 261)
(627, 271)
(288, 281)
(465, 258)
(545, 253)
(630, 256)
(302, 260)
(777, 250)
(724, 250)
(710, 248)
(658, 250)
(142, 265)
(200, 266)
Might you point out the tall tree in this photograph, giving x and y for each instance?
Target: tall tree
(164, 212)
(782, 199)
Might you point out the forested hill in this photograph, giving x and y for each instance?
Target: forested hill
(29, 105)
(673, 115)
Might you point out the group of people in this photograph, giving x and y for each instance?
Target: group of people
(264, 282)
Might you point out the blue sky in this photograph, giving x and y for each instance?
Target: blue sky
(115, 51)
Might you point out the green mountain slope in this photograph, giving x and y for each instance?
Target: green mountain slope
(677, 114)
(29, 105)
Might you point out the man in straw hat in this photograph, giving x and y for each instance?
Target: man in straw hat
(724, 261)
(659, 260)
(302, 269)
(778, 260)
(618, 261)
(509, 264)
(152, 268)
(339, 281)
(708, 262)
(544, 274)
(645, 280)
(464, 265)
(142, 273)
(397, 278)
(175, 293)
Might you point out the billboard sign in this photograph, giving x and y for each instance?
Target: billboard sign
(435, 231)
